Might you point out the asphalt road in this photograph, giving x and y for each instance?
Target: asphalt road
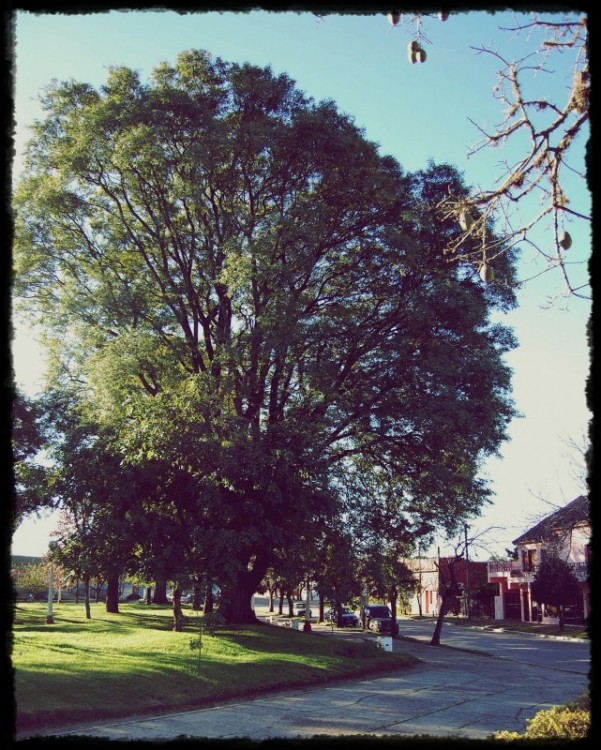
(549, 653)
(451, 694)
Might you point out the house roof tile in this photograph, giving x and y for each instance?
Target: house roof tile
(571, 515)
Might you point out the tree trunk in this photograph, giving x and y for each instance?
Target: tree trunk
(209, 601)
(235, 605)
(160, 591)
(562, 618)
(112, 594)
(178, 615)
(87, 598)
(290, 604)
(236, 594)
(338, 610)
(439, 622)
(148, 595)
(196, 604)
(394, 630)
(449, 591)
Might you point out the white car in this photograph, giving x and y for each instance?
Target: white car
(186, 597)
(300, 608)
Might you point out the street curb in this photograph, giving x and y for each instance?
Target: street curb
(565, 638)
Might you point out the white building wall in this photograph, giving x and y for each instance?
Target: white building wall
(426, 577)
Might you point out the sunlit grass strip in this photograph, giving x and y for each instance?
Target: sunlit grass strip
(133, 663)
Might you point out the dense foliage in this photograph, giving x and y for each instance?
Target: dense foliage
(570, 722)
(250, 306)
(555, 584)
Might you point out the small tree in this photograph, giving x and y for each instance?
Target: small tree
(33, 579)
(270, 583)
(449, 590)
(555, 584)
(389, 577)
(337, 575)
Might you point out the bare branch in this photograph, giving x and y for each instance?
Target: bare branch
(551, 130)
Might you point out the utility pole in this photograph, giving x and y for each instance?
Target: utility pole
(419, 594)
(467, 575)
(438, 595)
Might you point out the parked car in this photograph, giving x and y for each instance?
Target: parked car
(377, 617)
(348, 618)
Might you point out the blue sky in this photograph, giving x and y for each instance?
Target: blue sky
(415, 113)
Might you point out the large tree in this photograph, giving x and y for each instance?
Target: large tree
(249, 292)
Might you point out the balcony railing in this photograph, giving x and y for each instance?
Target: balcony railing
(516, 569)
(504, 566)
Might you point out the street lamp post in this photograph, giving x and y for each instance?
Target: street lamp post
(49, 614)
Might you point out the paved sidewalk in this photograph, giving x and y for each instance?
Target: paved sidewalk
(451, 693)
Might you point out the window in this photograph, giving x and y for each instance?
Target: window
(528, 560)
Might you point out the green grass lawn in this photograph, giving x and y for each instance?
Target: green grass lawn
(132, 663)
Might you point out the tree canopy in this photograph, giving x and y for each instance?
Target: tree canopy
(26, 443)
(244, 290)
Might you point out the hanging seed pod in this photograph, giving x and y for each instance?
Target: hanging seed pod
(421, 56)
(565, 241)
(466, 220)
(443, 15)
(394, 18)
(412, 49)
(486, 272)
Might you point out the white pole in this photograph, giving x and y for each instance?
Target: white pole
(49, 615)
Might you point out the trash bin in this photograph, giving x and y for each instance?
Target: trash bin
(296, 623)
(385, 642)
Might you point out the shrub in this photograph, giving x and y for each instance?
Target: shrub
(569, 722)
(363, 650)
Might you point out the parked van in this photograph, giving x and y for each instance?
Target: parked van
(377, 617)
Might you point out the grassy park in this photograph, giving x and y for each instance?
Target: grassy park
(132, 663)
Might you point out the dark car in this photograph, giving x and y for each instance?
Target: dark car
(377, 617)
(348, 618)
